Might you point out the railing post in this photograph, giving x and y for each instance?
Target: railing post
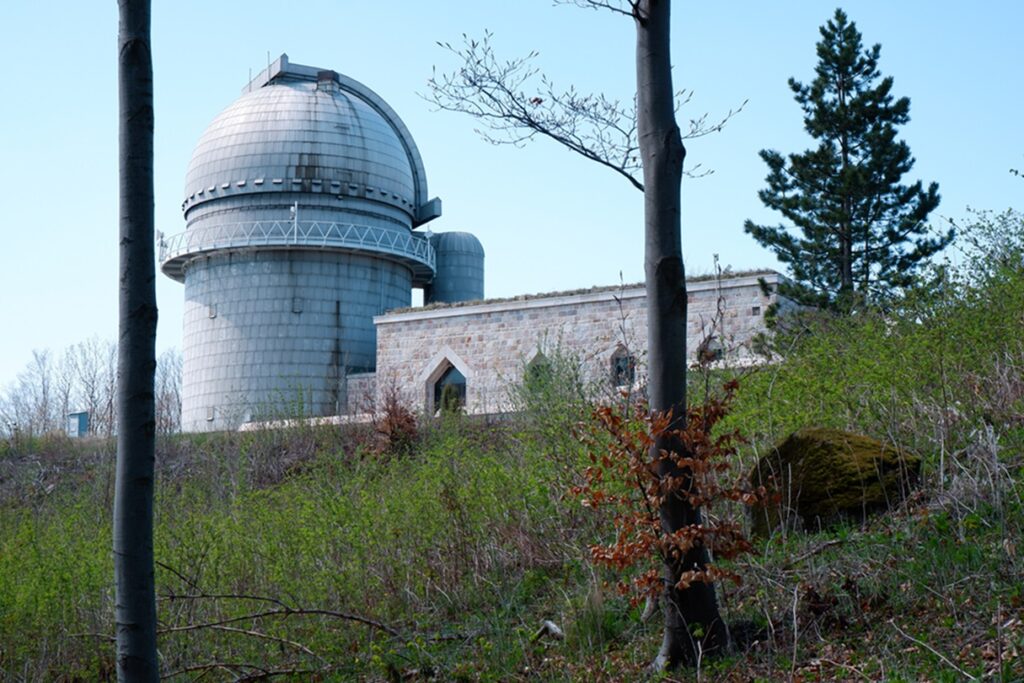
(295, 222)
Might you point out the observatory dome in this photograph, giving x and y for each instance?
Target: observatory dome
(301, 203)
(300, 129)
(458, 243)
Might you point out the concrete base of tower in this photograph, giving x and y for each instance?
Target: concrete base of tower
(274, 334)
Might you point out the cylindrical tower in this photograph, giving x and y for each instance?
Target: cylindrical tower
(300, 202)
(459, 269)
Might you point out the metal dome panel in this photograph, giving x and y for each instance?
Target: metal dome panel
(298, 135)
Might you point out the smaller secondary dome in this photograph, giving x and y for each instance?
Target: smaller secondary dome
(459, 274)
(301, 129)
(457, 242)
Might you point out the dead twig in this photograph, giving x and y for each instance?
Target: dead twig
(100, 636)
(812, 552)
(847, 667)
(223, 596)
(174, 571)
(211, 666)
(931, 649)
(267, 636)
(287, 612)
(244, 671)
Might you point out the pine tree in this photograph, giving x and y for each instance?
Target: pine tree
(855, 233)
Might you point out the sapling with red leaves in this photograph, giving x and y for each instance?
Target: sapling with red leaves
(623, 479)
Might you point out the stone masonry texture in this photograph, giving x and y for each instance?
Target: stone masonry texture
(491, 342)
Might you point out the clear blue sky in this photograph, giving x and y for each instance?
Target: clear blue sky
(548, 219)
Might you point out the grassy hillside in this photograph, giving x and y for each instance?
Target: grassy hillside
(328, 554)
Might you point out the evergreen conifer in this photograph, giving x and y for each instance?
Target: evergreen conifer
(855, 233)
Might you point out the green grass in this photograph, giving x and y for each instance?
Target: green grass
(455, 550)
(463, 548)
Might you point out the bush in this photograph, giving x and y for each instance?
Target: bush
(621, 476)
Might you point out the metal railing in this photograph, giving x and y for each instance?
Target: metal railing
(408, 247)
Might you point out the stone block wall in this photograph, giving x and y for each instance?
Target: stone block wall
(360, 393)
(491, 342)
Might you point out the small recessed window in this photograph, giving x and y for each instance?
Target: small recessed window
(755, 310)
(296, 305)
(450, 391)
(623, 368)
(710, 350)
(209, 414)
(211, 310)
(538, 371)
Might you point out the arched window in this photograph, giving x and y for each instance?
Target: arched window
(450, 391)
(710, 350)
(538, 370)
(623, 365)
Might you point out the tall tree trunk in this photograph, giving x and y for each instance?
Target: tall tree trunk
(692, 622)
(135, 602)
(846, 235)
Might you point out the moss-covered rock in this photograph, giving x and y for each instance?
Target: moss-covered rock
(821, 476)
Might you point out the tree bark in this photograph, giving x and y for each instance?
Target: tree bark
(692, 624)
(135, 602)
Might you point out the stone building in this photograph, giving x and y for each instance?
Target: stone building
(303, 201)
(486, 346)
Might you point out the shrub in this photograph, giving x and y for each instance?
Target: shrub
(622, 476)
(395, 426)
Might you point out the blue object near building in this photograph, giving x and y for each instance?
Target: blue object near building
(78, 424)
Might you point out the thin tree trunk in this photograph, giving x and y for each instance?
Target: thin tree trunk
(135, 602)
(692, 622)
(846, 228)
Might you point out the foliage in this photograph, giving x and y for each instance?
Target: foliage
(551, 399)
(992, 245)
(395, 425)
(622, 476)
(945, 354)
(862, 234)
(451, 400)
(463, 546)
(303, 516)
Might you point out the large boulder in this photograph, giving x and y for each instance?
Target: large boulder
(823, 476)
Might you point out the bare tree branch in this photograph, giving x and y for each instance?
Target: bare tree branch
(267, 636)
(516, 103)
(623, 7)
(244, 671)
(285, 612)
(225, 596)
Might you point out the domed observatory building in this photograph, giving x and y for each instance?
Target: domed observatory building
(301, 201)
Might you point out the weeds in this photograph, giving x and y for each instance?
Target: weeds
(464, 545)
